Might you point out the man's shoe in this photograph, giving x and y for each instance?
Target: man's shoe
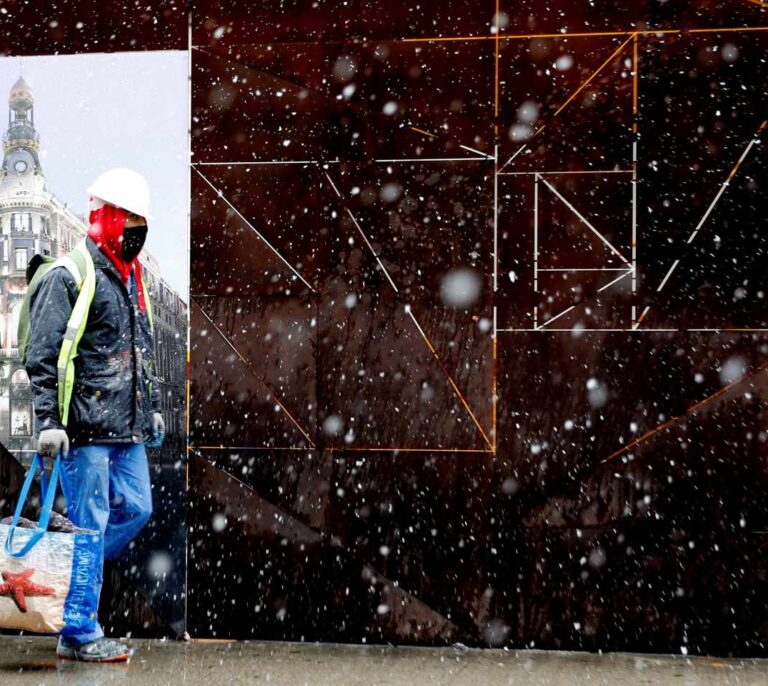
(100, 650)
(65, 651)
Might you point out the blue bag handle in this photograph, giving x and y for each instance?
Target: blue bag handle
(47, 493)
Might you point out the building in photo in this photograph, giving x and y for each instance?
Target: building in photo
(34, 221)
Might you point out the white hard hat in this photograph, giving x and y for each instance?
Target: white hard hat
(124, 188)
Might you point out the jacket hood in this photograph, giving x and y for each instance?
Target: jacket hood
(107, 224)
(106, 229)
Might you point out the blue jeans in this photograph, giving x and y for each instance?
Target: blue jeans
(107, 488)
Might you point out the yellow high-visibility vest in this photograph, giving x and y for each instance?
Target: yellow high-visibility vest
(80, 265)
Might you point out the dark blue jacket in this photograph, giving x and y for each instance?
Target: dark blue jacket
(115, 358)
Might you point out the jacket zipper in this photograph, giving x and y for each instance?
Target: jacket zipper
(134, 398)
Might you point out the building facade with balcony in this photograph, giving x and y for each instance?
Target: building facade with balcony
(170, 316)
(34, 221)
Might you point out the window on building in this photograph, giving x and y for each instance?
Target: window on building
(21, 420)
(21, 258)
(13, 325)
(21, 221)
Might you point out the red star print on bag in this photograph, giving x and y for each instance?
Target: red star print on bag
(17, 586)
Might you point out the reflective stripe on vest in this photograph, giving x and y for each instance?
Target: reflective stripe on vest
(78, 320)
(148, 303)
(75, 325)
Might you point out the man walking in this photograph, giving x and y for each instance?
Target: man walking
(100, 416)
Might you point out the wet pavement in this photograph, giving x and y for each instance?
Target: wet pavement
(32, 661)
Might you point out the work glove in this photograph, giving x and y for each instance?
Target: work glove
(158, 431)
(51, 441)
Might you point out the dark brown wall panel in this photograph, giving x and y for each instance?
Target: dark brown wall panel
(478, 335)
(42, 27)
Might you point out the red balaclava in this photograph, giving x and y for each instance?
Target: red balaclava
(106, 229)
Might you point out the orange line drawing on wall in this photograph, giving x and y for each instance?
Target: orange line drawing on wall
(257, 376)
(570, 99)
(691, 410)
(409, 311)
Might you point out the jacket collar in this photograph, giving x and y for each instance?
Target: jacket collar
(100, 260)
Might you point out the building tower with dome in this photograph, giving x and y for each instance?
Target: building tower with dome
(34, 221)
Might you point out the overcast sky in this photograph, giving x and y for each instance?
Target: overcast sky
(129, 109)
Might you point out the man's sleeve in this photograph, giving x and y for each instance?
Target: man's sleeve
(49, 310)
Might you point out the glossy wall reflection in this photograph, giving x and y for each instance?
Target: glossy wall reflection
(478, 325)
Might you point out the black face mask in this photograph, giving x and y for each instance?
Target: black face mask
(133, 241)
